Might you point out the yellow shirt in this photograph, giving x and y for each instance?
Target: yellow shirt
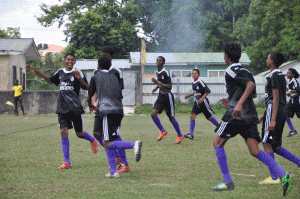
(17, 90)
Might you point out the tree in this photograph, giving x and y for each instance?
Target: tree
(10, 33)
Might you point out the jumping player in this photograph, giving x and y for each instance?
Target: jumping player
(293, 106)
(201, 104)
(275, 117)
(240, 118)
(165, 100)
(69, 108)
(17, 91)
(109, 114)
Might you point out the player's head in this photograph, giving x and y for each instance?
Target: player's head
(104, 63)
(16, 82)
(275, 59)
(69, 61)
(108, 52)
(195, 74)
(232, 53)
(160, 61)
(292, 73)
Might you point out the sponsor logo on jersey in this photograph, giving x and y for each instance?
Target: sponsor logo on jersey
(163, 77)
(72, 79)
(197, 87)
(270, 137)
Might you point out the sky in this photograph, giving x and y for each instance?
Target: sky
(21, 13)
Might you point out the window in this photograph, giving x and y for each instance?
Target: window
(14, 74)
(181, 73)
(216, 73)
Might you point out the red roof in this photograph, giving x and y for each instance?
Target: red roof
(54, 48)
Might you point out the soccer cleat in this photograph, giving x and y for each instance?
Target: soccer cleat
(123, 168)
(65, 166)
(118, 162)
(179, 139)
(223, 186)
(161, 135)
(94, 146)
(116, 175)
(269, 180)
(137, 150)
(286, 182)
(292, 133)
(190, 136)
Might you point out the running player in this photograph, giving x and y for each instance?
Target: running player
(201, 104)
(275, 116)
(17, 91)
(69, 108)
(165, 100)
(109, 114)
(294, 103)
(240, 118)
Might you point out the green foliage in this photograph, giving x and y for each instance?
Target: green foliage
(49, 65)
(10, 33)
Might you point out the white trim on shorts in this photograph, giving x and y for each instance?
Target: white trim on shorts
(221, 128)
(171, 104)
(267, 122)
(105, 128)
(208, 107)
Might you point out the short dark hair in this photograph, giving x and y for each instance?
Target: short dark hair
(162, 58)
(233, 51)
(277, 58)
(197, 70)
(68, 55)
(109, 50)
(104, 63)
(294, 72)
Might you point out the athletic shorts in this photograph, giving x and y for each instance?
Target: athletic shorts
(108, 125)
(165, 102)
(204, 108)
(274, 138)
(66, 120)
(228, 130)
(293, 107)
(18, 99)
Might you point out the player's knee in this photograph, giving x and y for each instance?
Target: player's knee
(106, 145)
(153, 114)
(209, 118)
(171, 118)
(80, 134)
(64, 132)
(192, 117)
(96, 134)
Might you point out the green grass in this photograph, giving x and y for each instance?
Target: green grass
(30, 152)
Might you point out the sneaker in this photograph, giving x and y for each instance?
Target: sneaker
(190, 136)
(161, 135)
(118, 162)
(292, 133)
(123, 168)
(223, 186)
(179, 139)
(116, 175)
(286, 182)
(137, 150)
(269, 180)
(65, 166)
(94, 146)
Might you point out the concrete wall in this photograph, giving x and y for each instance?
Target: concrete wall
(35, 102)
(4, 73)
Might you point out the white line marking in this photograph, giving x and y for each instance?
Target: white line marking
(242, 174)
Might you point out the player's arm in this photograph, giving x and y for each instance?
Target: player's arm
(189, 95)
(40, 74)
(155, 89)
(203, 98)
(84, 84)
(272, 124)
(91, 93)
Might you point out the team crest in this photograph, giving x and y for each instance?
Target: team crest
(197, 87)
(162, 77)
(72, 79)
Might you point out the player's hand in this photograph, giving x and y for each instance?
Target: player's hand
(187, 96)
(255, 96)
(271, 126)
(200, 101)
(237, 111)
(288, 94)
(153, 91)
(154, 81)
(92, 108)
(261, 119)
(224, 101)
(77, 74)
(31, 68)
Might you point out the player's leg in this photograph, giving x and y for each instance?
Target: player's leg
(192, 126)
(290, 109)
(208, 112)
(65, 124)
(124, 163)
(78, 126)
(157, 108)
(16, 105)
(21, 105)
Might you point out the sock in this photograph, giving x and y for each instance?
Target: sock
(288, 155)
(156, 120)
(192, 127)
(111, 160)
(222, 160)
(214, 121)
(272, 172)
(176, 127)
(117, 152)
(65, 148)
(289, 122)
(270, 162)
(100, 140)
(87, 136)
(119, 145)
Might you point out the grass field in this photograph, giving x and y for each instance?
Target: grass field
(30, 152)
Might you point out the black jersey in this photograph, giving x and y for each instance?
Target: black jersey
(294, 85)
(163, 77)
(275, 80)
(69, 87)
(108, 93)
(236, 79)
(200, 88)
